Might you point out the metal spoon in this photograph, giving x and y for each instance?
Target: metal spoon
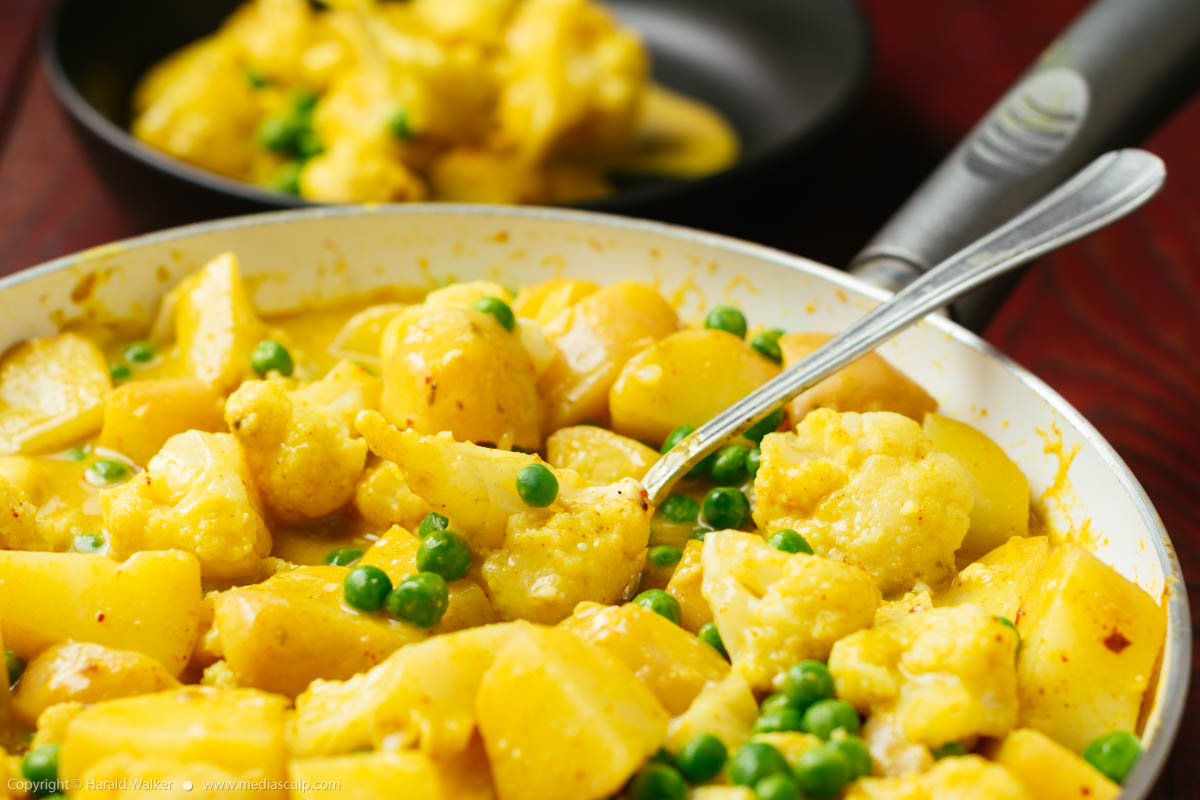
(1106, 190)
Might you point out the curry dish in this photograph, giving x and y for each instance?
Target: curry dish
(397, 547)
(507, 101)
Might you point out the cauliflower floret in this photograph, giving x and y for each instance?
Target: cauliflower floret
(353, 169)
(948, 673)
(476, 487)
(868, 489)
(195, 495)
(344, 391)
(590, 547)
(383, 499)
(18, 524)
(963, 778)
(303, 460)
(773, 608)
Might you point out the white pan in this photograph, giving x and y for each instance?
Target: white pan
(294, 258)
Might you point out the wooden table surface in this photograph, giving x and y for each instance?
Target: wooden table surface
(1112, 322)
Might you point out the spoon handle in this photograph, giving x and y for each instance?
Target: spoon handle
(1107, 189)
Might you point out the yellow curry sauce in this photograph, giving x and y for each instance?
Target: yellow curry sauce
(397, 547)
(508, 101)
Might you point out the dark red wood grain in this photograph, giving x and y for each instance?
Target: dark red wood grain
(1112, 322)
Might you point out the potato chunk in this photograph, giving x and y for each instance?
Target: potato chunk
(593, 339)
(590, 547)
(459, 370)
(686, 586)
(598, 455)
(561, 718)
(237, 730)
(1049, 771)
(52, 393)
(150, 603)
(1090, 641)
(195, 495)
(773, 608)
(870, 489)
(303, 459)
(140, 416)
(410, 775)
(87, 673)
(216, 327)
(686, 378)
(669, 661)
(868, 384)
(949, 673)
(1002, 579)
(725, 708)
(281, 634)
(964, 778)
(422, 695)
(1001, 491)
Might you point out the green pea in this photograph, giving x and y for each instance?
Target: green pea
(139, 352)
(433, 522)
(15, 665)
(287, 178)
(729, 465)
(776, 787)
(421, 599)
(398, 125)
(824, 717)
(786, 718)
(856, 752)
(366, 587)
(770, 424)
(775, 702)
(709, 634)
(822, 771)
(789, 541)
(255, 78)
(537, 485)
(767, 343)
(308, 144)
(343, 556)
(660, 603)
(754, 761)
(806, 683)
(104, 471)
(725, 507)
(701, 758)
(949, 750)
(278, 133)
(726, 318)
(499, 309)
(662, 756)
(658, 782)
(753, 461)
(680, 508)
(303, 101)
(88, 543)
(675, 437)
(40, 767)
(1114, 754)
(119, 372)
(664, 556)
(75, 454)
(445, 553)
(270, 356)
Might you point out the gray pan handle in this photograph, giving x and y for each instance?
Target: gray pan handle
(1121, 69)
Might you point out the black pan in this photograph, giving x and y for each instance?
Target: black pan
(781, 70)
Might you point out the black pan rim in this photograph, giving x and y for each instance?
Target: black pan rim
(119, 139)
